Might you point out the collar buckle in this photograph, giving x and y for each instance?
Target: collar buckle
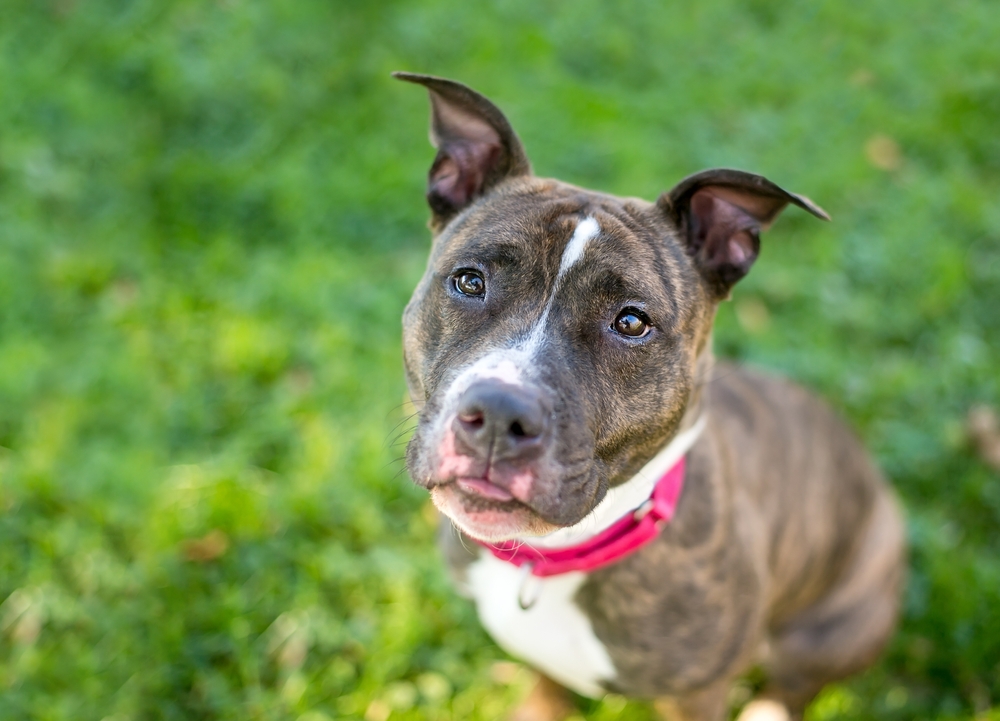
(642, 511)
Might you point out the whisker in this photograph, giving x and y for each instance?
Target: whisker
(391, 462)
(398, 440)
(408, 417)
(394, 408)
(399, 436)
(404, 432)
(461, 538)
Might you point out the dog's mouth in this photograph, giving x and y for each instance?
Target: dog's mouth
(484, 488)
(504, 484)
(486, 511)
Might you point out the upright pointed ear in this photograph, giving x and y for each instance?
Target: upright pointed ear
(476, 146)
(720, 214)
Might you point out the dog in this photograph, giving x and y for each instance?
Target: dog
(628, 515)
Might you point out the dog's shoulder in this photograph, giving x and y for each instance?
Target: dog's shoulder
(752, 405)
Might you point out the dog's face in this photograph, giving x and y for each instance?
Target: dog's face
(558, 334)
(553, 340)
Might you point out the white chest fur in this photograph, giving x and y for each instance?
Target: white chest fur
(554, 635)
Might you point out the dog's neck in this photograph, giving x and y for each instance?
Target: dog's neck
(628, 496)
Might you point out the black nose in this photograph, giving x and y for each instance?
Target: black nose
(505, 421)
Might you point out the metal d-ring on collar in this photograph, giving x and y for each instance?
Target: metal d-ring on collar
(639, 513)
(642, 511)
(524, 601)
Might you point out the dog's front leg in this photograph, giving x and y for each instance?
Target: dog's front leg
(547, 701)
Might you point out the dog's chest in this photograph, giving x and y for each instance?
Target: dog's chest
(553, 635)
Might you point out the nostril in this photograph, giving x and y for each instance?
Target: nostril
(524, 429)
(473, 420)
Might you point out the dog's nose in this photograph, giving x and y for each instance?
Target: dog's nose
(505, 421)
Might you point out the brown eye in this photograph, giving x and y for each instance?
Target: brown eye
(469, 283)
(632, 323)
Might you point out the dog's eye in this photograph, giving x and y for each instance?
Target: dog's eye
(468, 282)
(632, 322)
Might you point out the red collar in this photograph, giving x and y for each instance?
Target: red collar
(626, 536)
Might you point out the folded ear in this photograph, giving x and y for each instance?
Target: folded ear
(477, 148)
(720, 214)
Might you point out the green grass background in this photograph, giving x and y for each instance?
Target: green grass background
(211, 217)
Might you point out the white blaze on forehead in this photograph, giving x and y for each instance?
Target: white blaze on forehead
(512, 363)
(586, 231)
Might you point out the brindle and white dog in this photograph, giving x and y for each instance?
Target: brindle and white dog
(559, 349)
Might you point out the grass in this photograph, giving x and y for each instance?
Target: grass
(211, 218)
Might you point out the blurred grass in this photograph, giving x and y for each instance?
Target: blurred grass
(211, 218)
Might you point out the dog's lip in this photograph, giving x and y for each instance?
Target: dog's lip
(486, 489)
(485, 519)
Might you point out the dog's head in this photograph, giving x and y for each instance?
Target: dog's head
(559, 334)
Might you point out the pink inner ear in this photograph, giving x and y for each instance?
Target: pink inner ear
(763, 208)
(444, 174)
(740, 248)
(723, 234)
(451, 123)
(460, 171)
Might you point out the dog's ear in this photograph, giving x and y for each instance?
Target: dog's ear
(720, 214)
(476, 146)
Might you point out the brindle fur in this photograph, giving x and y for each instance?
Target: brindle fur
(786, 549)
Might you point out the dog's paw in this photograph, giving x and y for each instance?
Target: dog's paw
(764, 710)
(548, 701)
